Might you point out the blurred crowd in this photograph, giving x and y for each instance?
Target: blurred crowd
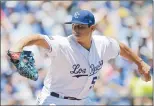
(128, 21)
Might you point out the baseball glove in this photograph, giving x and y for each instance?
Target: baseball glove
(24, 62)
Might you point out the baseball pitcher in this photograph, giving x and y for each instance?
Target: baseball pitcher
(76, 61)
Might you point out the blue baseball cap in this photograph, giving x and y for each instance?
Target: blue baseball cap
(82, 17)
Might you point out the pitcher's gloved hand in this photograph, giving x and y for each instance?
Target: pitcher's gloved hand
(24, 62)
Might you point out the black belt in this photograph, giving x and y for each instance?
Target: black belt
(63, 97)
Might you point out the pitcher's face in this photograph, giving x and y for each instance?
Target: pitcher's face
(82, 31)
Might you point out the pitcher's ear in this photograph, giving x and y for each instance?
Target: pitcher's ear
(93, 27)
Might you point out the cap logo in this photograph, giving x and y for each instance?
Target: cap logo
(76, 15)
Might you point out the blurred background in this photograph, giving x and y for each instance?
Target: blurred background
(119, 82)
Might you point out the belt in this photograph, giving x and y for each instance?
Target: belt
(63, 97)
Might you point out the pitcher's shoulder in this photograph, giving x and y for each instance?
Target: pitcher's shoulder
(58, 37)
(99, 38)
(61, 40)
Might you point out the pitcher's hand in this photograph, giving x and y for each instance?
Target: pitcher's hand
(144, 70)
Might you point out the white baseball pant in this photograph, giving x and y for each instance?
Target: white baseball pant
(46, 99)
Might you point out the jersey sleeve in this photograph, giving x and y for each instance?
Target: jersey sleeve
(110, 48)
(53, 45)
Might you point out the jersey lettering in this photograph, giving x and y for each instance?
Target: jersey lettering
(78, 70)
(95, 69)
